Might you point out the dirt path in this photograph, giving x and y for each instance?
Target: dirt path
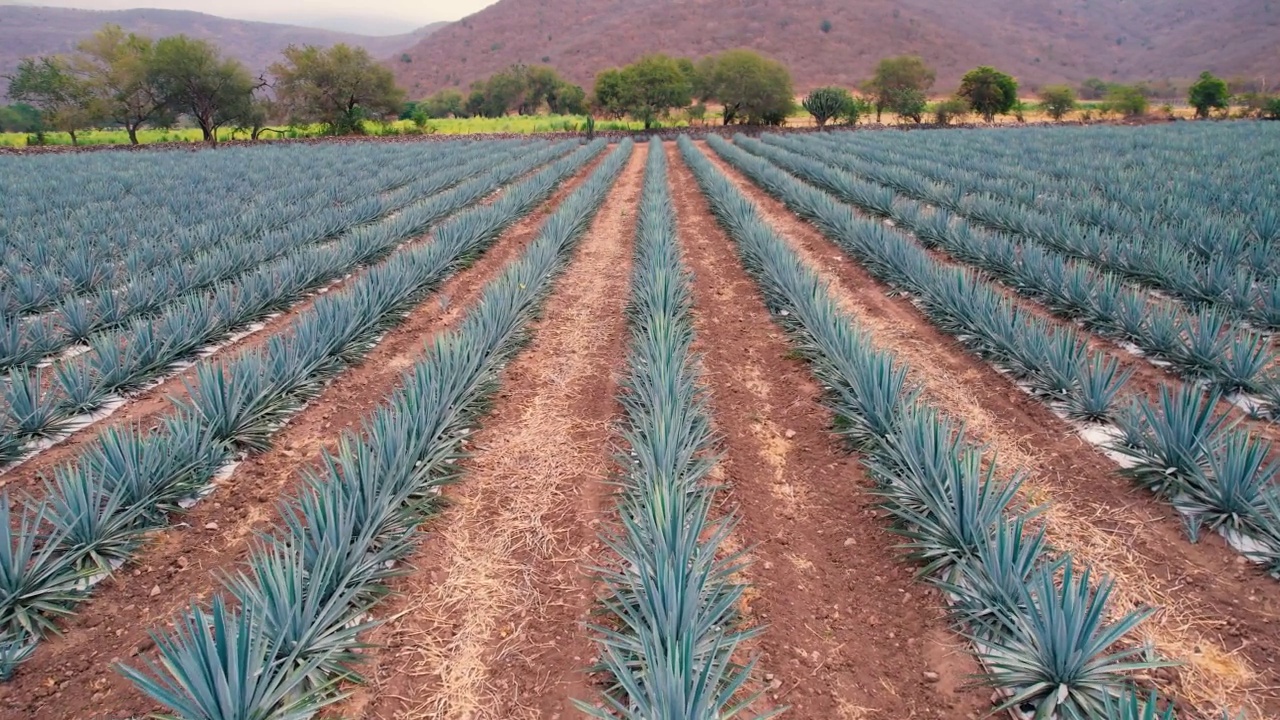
(1218, 616)
(849, 634)
(490, 623)
(187, 560)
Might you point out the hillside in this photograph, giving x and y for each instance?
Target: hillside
(26, 30)
(1039, 41)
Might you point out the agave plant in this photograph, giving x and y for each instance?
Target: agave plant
(96, 525)
(1133, 705)
(313, 617)
(945, 503)
(1231, 492)
(1062, 655)
(1240, 367)
(239, 405)
(1177, 438)
(990, 585)
(221, 664)
(38, 582)
(15, 649)
(79, 387)
(1097, 389)
(32, 408)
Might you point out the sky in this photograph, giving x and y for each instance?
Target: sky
(383, 17)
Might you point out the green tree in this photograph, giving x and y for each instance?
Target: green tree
(1094, 88)
(610, 94)
(339, 87)
(988, 91)
(444, 104)
(826, 103)
(654, 85)
(1208, 93)
(856, 108)
(949, 110)
(900, 84)
(1057, 100)
(566, 98)
(118, 69)
(49, 85)
(1128, 100)
(20, 117)
(748, 86)
(195, 80)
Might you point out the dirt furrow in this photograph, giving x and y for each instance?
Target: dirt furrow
(1218, 616)
(849, 633)
(186, 560)
(490, 623)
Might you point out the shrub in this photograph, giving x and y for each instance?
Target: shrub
(1127, 100)
(951, 109)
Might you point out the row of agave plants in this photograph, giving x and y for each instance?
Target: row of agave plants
(1039, 627)
(70, 230)
(1204, 346)
(1177, 444)
(77, 319)
(1229, 273)
(147, 348)
(671, 608)
(286, 633)
(1205, 188)
(1207, 230)
(95, 510)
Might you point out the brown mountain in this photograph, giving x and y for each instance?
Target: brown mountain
(839, 41)
(26, 31)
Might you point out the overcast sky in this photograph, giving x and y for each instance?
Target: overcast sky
(380, 17)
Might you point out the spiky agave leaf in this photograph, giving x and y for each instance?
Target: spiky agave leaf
(1238, 369)
(1230, 492)
(80, 388)
(1098, 386)
(1177, 438)
(221, 664)
(33, 409)
(945, 504)
(239, 404)
(38, 582)
(990, 585)
(310, 614)
(15, 649)
(1133, 705)
(96, 523)
(1062, 655)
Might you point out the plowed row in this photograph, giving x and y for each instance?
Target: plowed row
(489, 619)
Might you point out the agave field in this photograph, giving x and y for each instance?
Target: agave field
(842, 425)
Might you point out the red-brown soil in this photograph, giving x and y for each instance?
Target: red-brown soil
(1218, 616)
(491, 622)
(70, 676)
(848, 633)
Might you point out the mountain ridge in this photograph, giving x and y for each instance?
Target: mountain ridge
(27, 30)
(839, 41)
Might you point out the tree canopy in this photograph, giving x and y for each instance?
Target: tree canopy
(524, 89)
(195, 80)
(118, 69)
(1128, 100)
(988, 91)
(339, 87)
(749, 86)
(900, 85)
(646, 89)
(49, 85)
(1057, 100)
(1208, 93)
